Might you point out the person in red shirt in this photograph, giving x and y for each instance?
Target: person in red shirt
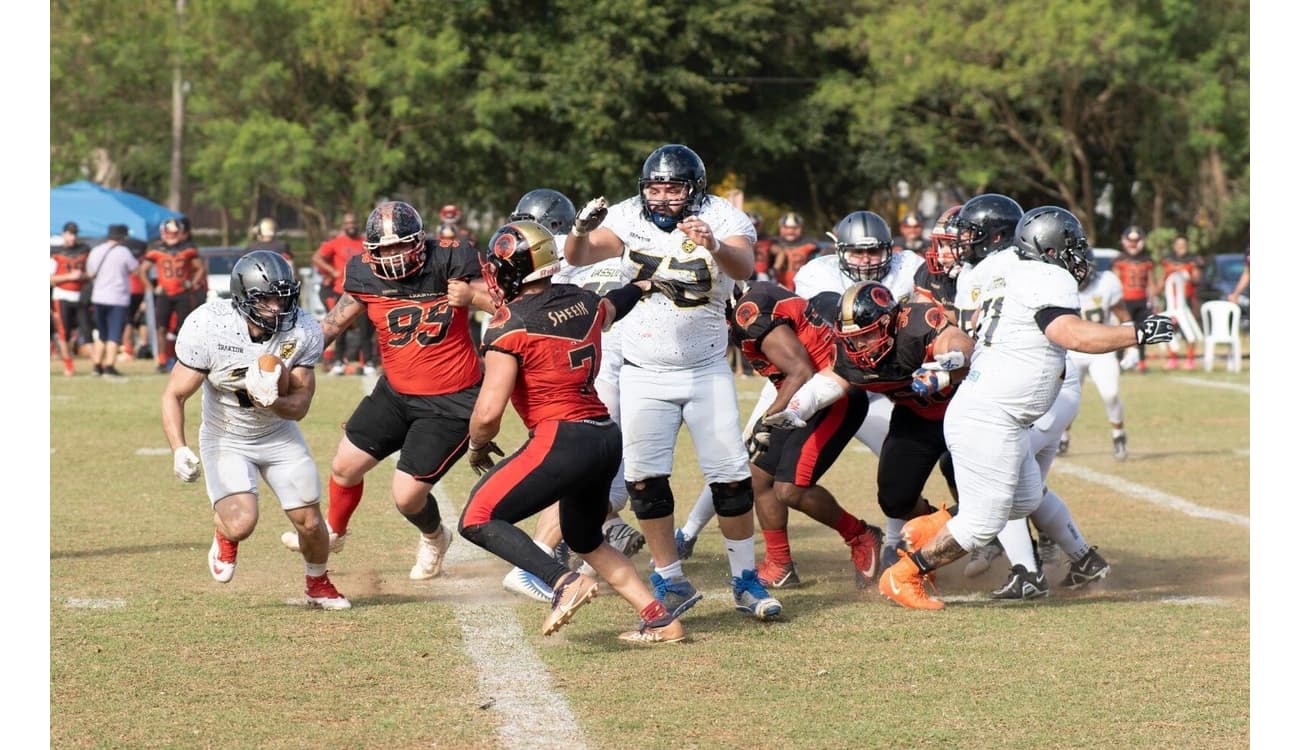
(352, 349)
(787, 340)
(541, 351)
(417, 297)
(1136, 272)
(67, 281)
(762, 249)
(1181, 261)
(791, 251)
(179, 273)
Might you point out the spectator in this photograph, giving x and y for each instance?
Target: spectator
(110, 266)
(452, 226)
(352, 349)
(179, 274)
(1136, 272)
(911, 239)
(762, 249)
(265, 239)
(1181, 261)
(791, 250)
(70, 295)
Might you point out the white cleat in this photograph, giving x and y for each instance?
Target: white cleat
(520, 581)
(222, 569)
(981, 559)
(431, 554)
(290, 539)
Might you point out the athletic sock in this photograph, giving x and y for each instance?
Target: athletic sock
(343, 503)
(776, 546)
(672, 571)
(894, 531)
(1019, 548)
(314, 570)
(654, 614)
(740, 555)
(848, 526)
(701, 513)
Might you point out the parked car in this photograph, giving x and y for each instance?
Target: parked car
(1105, 257)
(220, 260)
(1220, 278)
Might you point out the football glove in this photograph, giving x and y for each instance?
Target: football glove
(1130, 359)
(262, 386)
(928, 382)
(1155, 329)
(590, 216)
(480, 458)
(758, 440)
(786, 419)
(953, 360)
(185, 464)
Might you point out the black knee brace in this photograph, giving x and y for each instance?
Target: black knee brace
(651, 498)
(733, 498)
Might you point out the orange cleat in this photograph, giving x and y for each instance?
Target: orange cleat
(920, 530)
(904, 584)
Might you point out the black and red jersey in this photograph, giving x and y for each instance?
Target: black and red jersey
(69, 259)
(940, 287)
(919, 324)
(555, 337)
(176, 265)
(424, 343)
(764, 307)
(1134, 272)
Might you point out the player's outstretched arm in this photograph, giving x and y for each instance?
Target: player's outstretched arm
(1069, 331)
(345, 311)
(589, 242)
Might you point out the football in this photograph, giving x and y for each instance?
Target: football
(267, 363)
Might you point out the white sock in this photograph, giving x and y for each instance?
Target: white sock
(1053, 519)
(701, 514)
(672, 571)
(1017, 544)
(894, 531)
(314, 570)
(611, 523)
(1116, 432)
(542, 545)
(740, 555)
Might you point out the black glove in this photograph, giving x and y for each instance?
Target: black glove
(1155, 329)
(758, 440)
(480, 459)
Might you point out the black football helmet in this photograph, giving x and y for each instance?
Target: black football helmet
(519, 252)
(677, 164)
(985, 225)
(1092, 268)
(550, 208)
(394, 243)
(264, 289)
(867, 322)
(944, 232)
(1053, 235)
(864, 231)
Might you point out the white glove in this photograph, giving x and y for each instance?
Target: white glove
(590, 216)
(953, 360)
(262, 386)
(1130, 359)
(185, 464)
(786, 419)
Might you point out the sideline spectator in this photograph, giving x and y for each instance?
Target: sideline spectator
(1243, 282)
(1190, 266)
(110, 266)
(265, 239)
(791, 250)
(352, 349)
(910, 230)
(70, 295)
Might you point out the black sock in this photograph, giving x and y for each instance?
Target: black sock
(428, 519)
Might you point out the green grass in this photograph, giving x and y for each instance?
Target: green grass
(186, 662)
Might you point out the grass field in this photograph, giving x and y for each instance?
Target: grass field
(146, 650)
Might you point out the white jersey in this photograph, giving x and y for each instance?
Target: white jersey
(1097, 299)
(1015, 366)
(214, 340)
(823, 274)
(689, 328)
(602, 278)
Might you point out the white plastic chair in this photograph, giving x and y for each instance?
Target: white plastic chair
(1176, 306)
(1221, 322)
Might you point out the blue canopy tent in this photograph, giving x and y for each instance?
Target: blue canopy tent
(93, 207)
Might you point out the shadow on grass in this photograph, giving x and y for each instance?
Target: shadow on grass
(139, 549)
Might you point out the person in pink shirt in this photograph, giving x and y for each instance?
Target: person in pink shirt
(110, 266)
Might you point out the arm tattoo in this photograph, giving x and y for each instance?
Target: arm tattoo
(337, 321)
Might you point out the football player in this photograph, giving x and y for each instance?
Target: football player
(417, 297)
(67, 279)
(542, 351)
(249, 427)
(1028, 318)
(179, 272)
(1136, 272)
(554, 211)
(791, 251)
(695, 246)
(1191, 267)
(937, 277)
(788, 341)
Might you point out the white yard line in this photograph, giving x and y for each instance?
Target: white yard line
(1148, 494)
(512, 681)
(1238, 387)
(95, 603)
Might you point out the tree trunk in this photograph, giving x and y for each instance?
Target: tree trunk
(178, 116)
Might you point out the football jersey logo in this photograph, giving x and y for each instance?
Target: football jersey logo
(689, 245)
(746, 314)
(881, 296)
(935, 317)
(499, 319)
(287, 349)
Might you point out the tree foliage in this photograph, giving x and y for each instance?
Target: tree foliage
(1122, 112)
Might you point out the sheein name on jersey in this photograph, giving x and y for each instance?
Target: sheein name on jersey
(572, 311)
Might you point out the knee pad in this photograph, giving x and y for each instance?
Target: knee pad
(732, 499)
(651, 498)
